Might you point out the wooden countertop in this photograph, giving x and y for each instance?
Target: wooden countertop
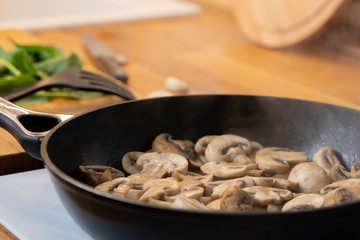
(208, 52)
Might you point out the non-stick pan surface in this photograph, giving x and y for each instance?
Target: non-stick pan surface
(104, 135)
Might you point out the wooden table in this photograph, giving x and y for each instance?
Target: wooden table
(208, 52)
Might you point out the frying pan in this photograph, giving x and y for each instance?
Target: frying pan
(104, 135)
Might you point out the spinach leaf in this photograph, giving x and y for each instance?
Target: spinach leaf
(11, 83)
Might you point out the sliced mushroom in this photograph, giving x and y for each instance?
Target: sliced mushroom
(243, 182)
(197, 177)
(214, 205)
(267, 195)
(134, 194)
(159, 188)
(162, 164)
(202, 143)
(191, 192)
(339, 172)
(197, 162)
(310, 176)
(326, 158)
(243, 159)
(164, 143)
(118, 186)
(236, 200)
(352, 182)
(226, 147)
(138, 179)
(278, 160)
(355, 167)
(190, 182)
(255, 146)
(183, 202)
(97, 174)
(227, 170)
(129, 162)
(342, 195)
(304, 202)
(159, 202)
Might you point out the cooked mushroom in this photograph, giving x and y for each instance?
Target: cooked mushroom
(268, 195)
(243, 182)
(162, 164)
(304, 202)
(255, 146)
(227, 170)
(159, 188)
(199, 177)
(197, 162)
(97, 174)
(326, 158)
(191, 192)
(118, 186)
(190, 182)
(138, 179)
(352, 182)
(342, 195)
(242, 158)
(202, 143)
(310, 176)
(356, 167)
(183, 202)
(339, 172)
(226, 147)
(235, 199)
(214, 205)
(278, 160)
(164, 143)
(129, 162)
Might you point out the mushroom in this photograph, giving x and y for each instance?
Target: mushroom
(243, 182)
(164, 143)
(202, 143)
(235, 199)
(355, 167)
(352, 182)
(190, 182)
(278, 160)
(97, 174)
(138, 179)
(304, 202)
(214, 205)
(162, 164)
(310, 176)
(226, 147)
(183, 202)
(268, 195)
(242, 158)
(159, 188)
(227, 170)
(191, 192)
(199, 177)
(255, 146)
(118, 186)
(342, 195)
(129, 162)
(326, 158)
(339, 172)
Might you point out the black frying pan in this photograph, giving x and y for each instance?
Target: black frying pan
(104, 135)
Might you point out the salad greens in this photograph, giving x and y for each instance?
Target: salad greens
(27, 64)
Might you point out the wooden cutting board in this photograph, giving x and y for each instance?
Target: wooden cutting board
(12, 156)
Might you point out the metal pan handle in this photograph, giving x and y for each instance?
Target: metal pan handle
(28, 127)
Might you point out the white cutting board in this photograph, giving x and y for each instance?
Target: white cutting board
(31, 209)
(38, 14)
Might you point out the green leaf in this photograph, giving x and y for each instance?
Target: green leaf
(11, 83)
(23, 62)
(58, 64)
(69, 93)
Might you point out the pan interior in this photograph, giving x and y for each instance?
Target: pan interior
(103, 136)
